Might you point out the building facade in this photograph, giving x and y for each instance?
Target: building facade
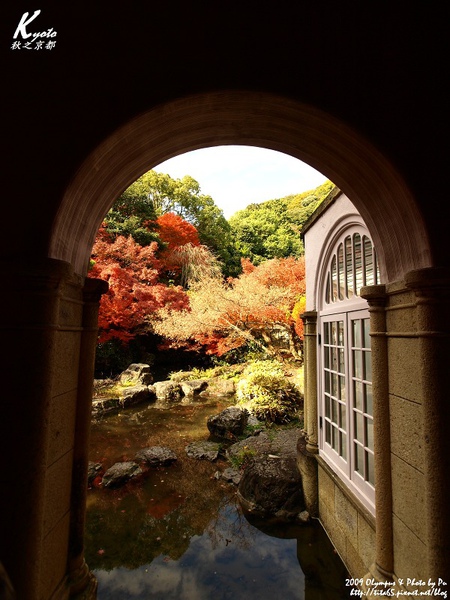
(364, 450)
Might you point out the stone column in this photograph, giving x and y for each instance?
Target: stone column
(81, 581)
(432, 289)
(310, 381)
(30, 308)
(384, 558)
(308, 447)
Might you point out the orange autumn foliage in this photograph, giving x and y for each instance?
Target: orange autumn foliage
(175, 233)
(135, 292)
(261, 303)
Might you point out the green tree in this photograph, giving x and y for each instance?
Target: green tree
(272, 229)
(155, 194)
(132, 214)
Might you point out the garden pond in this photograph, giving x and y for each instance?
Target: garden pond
(179, 533)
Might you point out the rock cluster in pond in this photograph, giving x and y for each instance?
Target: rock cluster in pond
(121, 472)
(270, 485)
(135, 386)
(268, 480)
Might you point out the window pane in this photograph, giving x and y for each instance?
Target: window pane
(326, 356)
(357, 364)
(341, 364)
(327, 432)
(334, 359)
(326, 333)
(367, 366)
(349, 266)
(342, 395)
(343, 416)
(334, 439)
(358, 394)
(334, 417)
(359, 427)
(366, 333)
(368, 262)
(377, 268)
(334, 283)
(341, 272)
(327, 407)
(358, 262)
(341, 333)
(333, 333)
(334, 385)
(356, 326)
(359, 459)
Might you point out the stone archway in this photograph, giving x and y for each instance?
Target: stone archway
(371, 182)
(257, 119)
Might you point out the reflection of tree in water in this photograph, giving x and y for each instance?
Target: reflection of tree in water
(145, 520)
(158, 515)
(230, 527)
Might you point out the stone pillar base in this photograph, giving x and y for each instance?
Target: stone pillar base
(307, 465)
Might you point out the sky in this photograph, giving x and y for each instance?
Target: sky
(236, 176)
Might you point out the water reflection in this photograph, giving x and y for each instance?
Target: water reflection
(180, 534)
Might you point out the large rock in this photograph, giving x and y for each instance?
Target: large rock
(105, 405)
(193, 387)
(220, 387)
(228, 424)
(272, 487)
(156, 456)
(135, 395)
(136, 374)
(168, 392)
(120, 473)
(203, 450)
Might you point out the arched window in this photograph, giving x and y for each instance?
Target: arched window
(345, 374)
(353, 264)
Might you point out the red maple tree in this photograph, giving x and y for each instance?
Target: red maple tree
(175, 233)
(135, 292)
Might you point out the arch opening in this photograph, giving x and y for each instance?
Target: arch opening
(244, 118)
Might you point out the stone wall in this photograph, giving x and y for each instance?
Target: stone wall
(350, 527)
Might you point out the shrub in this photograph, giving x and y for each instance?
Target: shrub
(266, 392)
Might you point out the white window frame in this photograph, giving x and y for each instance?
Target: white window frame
(344, 308)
